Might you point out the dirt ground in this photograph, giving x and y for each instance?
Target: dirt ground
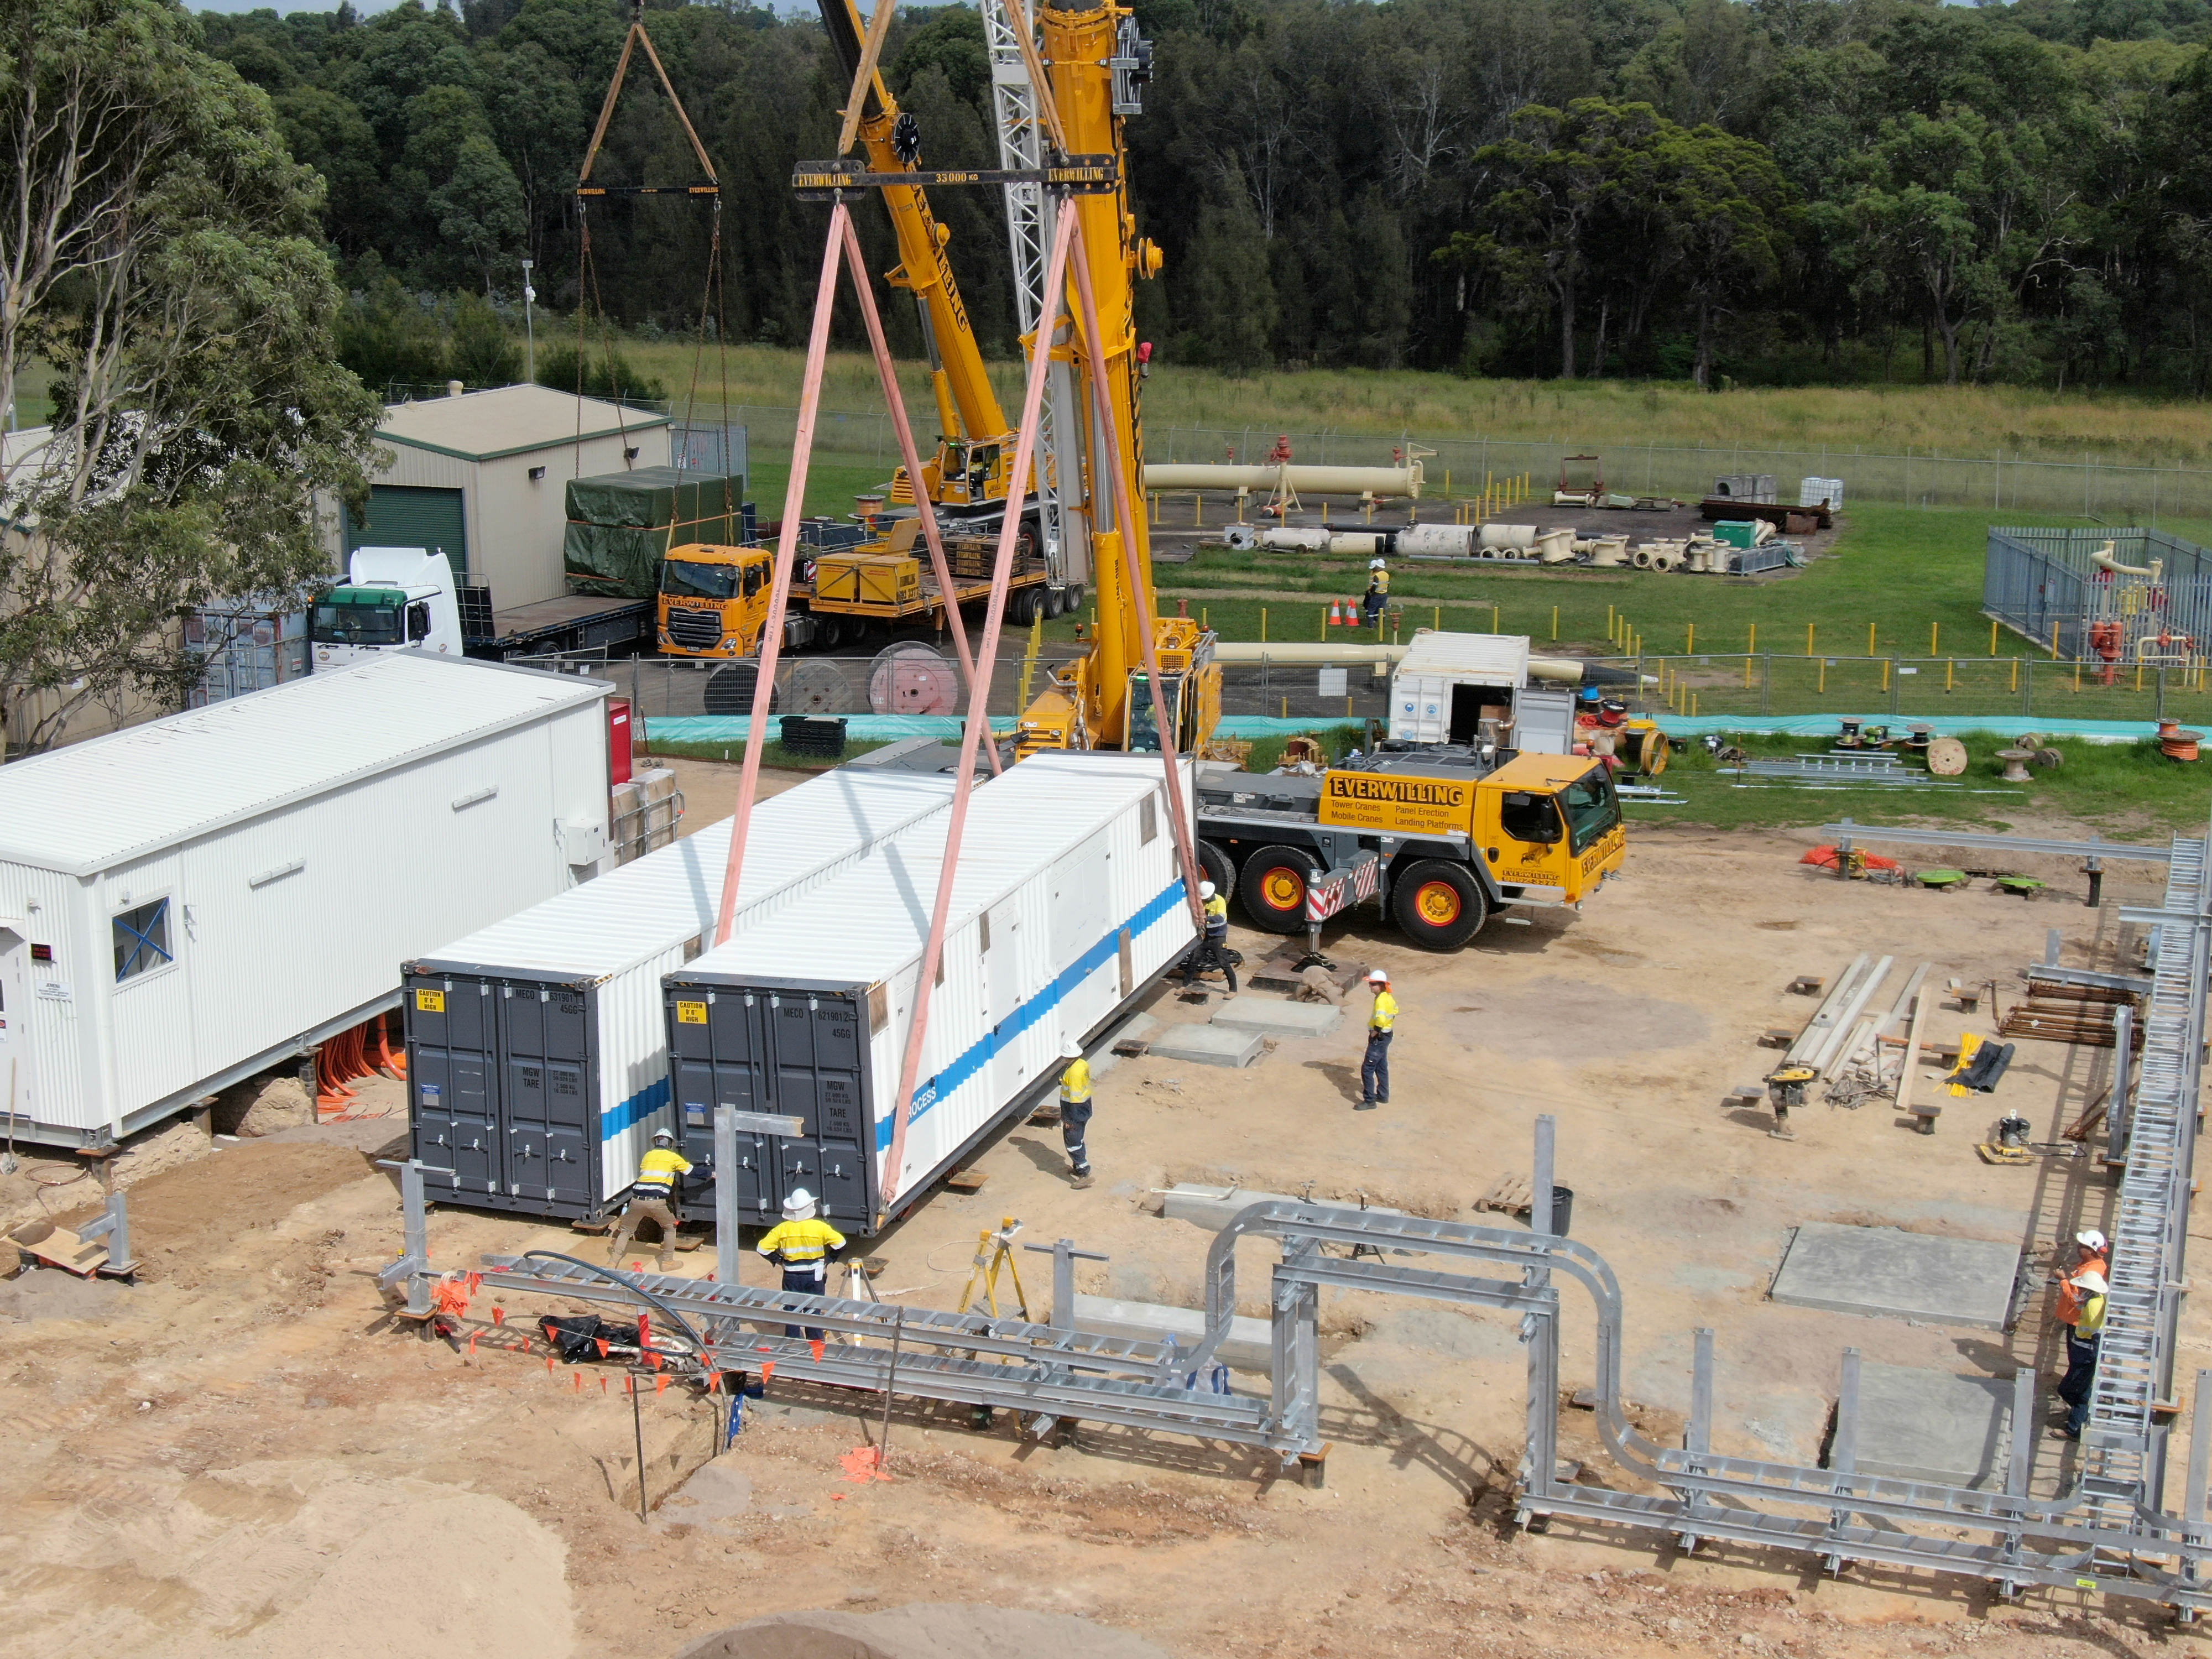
(242, 1455)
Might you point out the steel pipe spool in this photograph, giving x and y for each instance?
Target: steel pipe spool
(1376, 480)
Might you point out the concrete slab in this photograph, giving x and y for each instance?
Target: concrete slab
(1213, 1207)
(1208, 1045)
(1888, 1274)
(1249, 1346)
(1932, 1425)
(1284, 1020)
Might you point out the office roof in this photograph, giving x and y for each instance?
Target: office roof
(508, 420)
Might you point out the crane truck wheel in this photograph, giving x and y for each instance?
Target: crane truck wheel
(1438, 905)
(1054, 601)
(1215, 866)
(1273, 888)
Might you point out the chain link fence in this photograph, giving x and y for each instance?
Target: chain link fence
(1461, 466)
(1919, 687)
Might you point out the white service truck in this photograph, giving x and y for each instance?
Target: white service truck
(391, 599)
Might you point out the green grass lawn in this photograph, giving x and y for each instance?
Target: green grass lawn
(1900, 569)
(2127, 791)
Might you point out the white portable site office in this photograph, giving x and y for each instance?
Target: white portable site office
(537, 1051)
(188, 901)
(1445, 681)
(1067, 905)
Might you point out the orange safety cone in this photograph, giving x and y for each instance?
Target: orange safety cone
(1335, 615)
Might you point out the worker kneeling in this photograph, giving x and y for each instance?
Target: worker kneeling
(1212, 953)
(653, 1198)
(803, 1246)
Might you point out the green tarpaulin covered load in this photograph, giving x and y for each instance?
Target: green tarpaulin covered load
(621, 525)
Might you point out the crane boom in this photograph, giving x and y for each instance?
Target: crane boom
(924, 267)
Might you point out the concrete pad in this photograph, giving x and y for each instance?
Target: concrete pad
(1208, 1045)
(1249, 1345)
(1887, 1273)
(1283, 1019)
(1214, 1207)
(1932, 1425)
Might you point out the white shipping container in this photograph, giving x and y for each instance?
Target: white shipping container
(536, 1051)
(1445, 679)
(188, 901)
(1067, 905)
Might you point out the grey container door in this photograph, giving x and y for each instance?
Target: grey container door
(818, 1060)
(717, 1056)
(552, 1136)
(451, 1078)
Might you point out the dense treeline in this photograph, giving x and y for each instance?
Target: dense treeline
(1783, 190)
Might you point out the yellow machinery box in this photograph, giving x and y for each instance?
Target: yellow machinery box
(887, 578)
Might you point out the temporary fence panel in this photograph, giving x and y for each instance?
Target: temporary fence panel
(537, 1057)
(1067, 905)
(191, 900)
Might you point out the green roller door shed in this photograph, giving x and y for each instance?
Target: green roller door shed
(404, 516)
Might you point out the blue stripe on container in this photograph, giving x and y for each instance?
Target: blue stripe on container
(635, 1110)
(987, 1048)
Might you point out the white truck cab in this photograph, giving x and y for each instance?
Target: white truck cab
(391, 599)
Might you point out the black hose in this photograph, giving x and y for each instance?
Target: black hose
(634, 1288)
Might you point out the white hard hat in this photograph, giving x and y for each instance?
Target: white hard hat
(2093, 1282)
(799, 1206)
(1206, 890)
(1375, 564)
(2089, 1238)
(668, 1135)
(1376, 976)
(1070, 1048)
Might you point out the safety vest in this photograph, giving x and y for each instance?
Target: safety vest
(657, 1171)
(1386, 1012)
(1075, 1084)
(2092, 1319)
(800, 1243)
(1378, 582)
(1217, 916)
(2071, 1296)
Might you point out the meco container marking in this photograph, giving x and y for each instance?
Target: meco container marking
(188, 901)
(537, 1061)
(1067, 904)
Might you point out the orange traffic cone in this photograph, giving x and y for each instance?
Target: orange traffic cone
(1335, 614)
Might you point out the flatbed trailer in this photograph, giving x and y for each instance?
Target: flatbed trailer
(574, 622)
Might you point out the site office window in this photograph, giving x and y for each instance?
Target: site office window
(143, 939)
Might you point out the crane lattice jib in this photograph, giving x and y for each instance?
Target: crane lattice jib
(921, 242)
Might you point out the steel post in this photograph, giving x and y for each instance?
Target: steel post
(728, 1250)
(1698, 1433)
(1843, 1446)
(2116, 1103)
(1064, 1255)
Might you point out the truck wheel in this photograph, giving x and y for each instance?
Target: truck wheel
(1438, 905)
(1025, 606)
(1056, 601)
(1215, 866)
(1273, 888)
(730, 690)
(1071, 600)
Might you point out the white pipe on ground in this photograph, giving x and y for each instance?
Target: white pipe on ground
(1377, 481)
(1562, 671)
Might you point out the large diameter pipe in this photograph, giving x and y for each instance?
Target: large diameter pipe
(1322, 480)
(1556, 670)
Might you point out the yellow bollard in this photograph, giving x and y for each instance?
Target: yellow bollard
(1823, 686)
(1347, 706)
(1747, 671)
(1440, 619)
(2139, 679)
(1934, 632)
(1993, 639)
(1447, 483)
(1948, 667)
(1324, 624)
(1753, 646)
(1555, 621)
(1493, 619)
(1869, 639)
(2078, 673)
(1884, 673)
(1608, 623)
(1690, 644)
(1263, 624)
(1693, 705)
(1286, 708)
(1202, 621)
(1197, 507)
(2015, 673)
(1324, 513)
(1808, 639)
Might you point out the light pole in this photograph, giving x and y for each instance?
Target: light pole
(529, 330)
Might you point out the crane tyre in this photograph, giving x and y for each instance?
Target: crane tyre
(1437, 904)
(1273, 888)
(1215, 866)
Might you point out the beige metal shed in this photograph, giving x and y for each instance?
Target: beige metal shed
(484, 476)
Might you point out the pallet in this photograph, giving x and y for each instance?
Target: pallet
(966, 1181)
(1510, 1195)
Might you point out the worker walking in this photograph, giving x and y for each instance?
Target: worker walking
(1075, 1112)
(653, 1197)
(804, 1246)
(1375, 1067)
(1378, 589)
(2083, 1338)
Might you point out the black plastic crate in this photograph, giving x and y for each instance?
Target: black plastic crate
(807, 734)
